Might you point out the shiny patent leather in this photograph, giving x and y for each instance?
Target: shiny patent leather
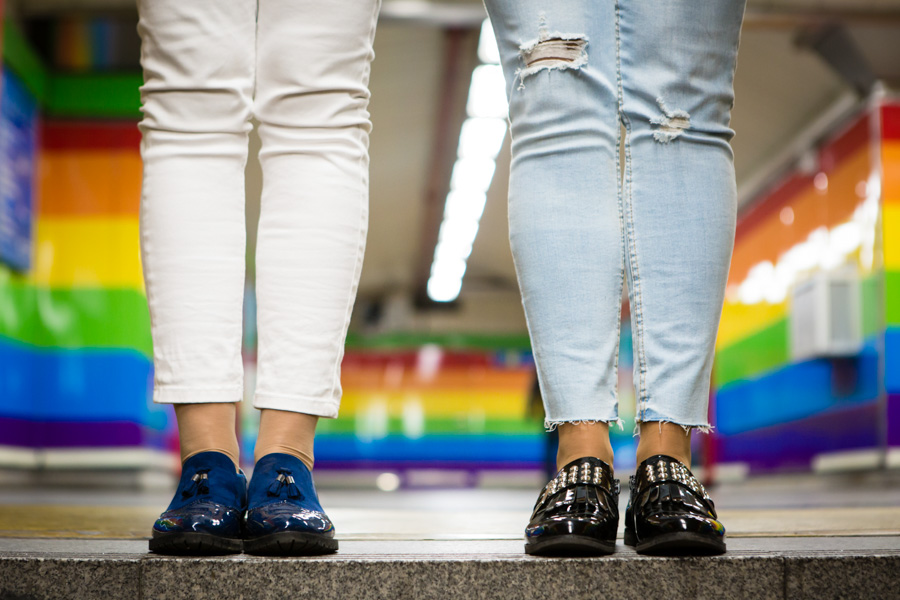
(284, 516)
(204, 516)
(577, 512)
(669, 511)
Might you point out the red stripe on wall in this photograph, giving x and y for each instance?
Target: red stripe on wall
(90, 135)
(890, 121)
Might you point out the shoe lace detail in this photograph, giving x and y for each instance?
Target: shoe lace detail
(199, 484)
(284, 480)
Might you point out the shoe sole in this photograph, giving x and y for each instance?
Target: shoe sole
(570, 545)
(193, 544)
(680, 543)
(291, 543)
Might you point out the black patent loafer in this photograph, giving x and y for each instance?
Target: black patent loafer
(669, 511)
(284, 517)
(204, 517)
(577, 513)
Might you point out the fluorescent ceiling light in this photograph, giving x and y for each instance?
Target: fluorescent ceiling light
(481, 138)
(472, 175)
(487, 94)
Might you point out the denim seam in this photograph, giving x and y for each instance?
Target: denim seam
(621, 281)
(628, 202)
(362, 228)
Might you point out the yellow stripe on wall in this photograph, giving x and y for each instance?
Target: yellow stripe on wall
(438, 404)
(88, 252)
(891, 237)
(742, 320)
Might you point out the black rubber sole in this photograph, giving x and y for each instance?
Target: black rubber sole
(680, 543)
(193, 544)
(291, 543)
(570, 545)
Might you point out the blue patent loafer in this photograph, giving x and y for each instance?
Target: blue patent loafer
(577, 513)
(669, 511)
(204, 517)
(284, 516)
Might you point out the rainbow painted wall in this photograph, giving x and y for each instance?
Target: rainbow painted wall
(773, 412)
(75, 348)
(890, 190)
(465, 403)
(74, 328)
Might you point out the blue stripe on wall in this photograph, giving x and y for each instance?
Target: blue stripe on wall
(56, 384)
(483, 449)
(892, 360)
(798, 391)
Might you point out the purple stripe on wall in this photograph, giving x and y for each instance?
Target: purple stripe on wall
(69, 434)
(792, 446)
(893, 420)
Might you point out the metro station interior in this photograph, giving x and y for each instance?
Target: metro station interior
(440, 447)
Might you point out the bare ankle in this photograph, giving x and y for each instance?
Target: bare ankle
(577, 440)
(670, 439)
(287, 433)
(205, 427)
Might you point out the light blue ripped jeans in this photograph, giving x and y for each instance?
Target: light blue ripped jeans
(580, 75)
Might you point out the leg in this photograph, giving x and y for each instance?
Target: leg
(198, 77)
(677, 66)
(311, 102)
(670, 439)
(208, 427)
(566, 239)
(286, 432)
(677, 63)
(564, 220)
(198, 72)
(584, 439)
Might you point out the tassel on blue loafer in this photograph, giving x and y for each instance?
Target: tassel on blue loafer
(284, 517)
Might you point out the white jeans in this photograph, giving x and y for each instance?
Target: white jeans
(302, 69)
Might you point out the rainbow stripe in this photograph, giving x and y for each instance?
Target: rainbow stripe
(890, 189)
(74, 330)
(774, 412)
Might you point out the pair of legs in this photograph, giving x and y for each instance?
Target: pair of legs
(621, 172)
(301, 68)
(592, 439)
(211, 427)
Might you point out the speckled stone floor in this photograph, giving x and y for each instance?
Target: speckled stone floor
(790, 537)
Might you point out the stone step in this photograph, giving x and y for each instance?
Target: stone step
(755, 567)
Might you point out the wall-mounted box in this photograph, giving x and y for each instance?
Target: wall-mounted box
(825, 316)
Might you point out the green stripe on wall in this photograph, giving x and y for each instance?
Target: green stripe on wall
(757, 353)
(93, 95)
(451, 341)
(892, 297)
(23, 60)
(82, 318)
(872, 300)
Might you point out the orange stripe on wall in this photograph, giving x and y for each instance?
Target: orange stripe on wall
(890, 168)
(812, 209)
(89, 183)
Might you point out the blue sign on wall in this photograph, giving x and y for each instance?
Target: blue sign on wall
(18, 126)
